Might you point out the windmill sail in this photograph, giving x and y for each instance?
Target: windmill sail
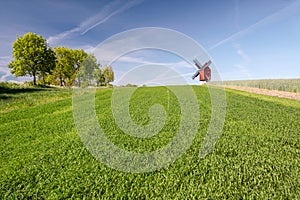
(206, 64)
(197, 63)
(195, 75)
(204, 71)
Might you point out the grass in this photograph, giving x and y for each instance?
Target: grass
(15, 96)
(288, 85)
(42, 156)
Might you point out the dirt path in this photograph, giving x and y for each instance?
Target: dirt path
(282, 94)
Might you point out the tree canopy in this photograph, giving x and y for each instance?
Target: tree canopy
(68, 62)
(108, 74)
(62, 66)
(89, 72)
(32, 56)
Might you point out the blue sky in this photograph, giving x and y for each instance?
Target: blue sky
(246, 39)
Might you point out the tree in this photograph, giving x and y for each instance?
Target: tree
(78, 57)
(89, 71)
(67, 65)
(61, 61)
(98, 76)
(108, 74)
(48, 66)
(32, 56)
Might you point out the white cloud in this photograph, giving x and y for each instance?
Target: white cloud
(4, 60)
(133, 48)
(243, 71)
(56, 38)
(166, 78)
(136, 60)
(164, 72)
(152, 74)
(86, 48)
(148, 38)
(103, 16)
(133, 60)
(4, 70)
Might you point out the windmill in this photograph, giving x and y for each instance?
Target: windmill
(204, 71)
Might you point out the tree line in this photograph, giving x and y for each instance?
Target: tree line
(59, 66)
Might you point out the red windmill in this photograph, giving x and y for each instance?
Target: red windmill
(204, 71)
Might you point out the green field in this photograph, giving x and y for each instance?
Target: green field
(287, 85)
(42, 156)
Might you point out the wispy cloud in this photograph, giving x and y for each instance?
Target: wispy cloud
(243, 71)
(140, 61)
(282, 13)
(133, 60)
(4, 70)
(153, 74)
(240, 67)
(236, 72)
(241, 52)
(141, 70)
(166, 77)
(108, 11)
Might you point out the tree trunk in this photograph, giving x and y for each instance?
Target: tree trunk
(34, 79)
(61, 81)
(44, 82)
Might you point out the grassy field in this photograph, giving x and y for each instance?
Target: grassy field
(15, 96)
(288, 85)
(42, 156)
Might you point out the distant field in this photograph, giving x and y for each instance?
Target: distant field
(42, 156)
(288, 85)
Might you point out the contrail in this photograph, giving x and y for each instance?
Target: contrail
(284, 12)
(120, 10)
(101, 17)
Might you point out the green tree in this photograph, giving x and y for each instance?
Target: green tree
(32, 56)
(89, 71)
(67, 65)
(108, 74)
(48, 66)
(78, 56)
(98, 76)
(62, 63)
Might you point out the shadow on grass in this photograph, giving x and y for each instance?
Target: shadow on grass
(7, 93)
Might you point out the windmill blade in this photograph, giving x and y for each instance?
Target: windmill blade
(197, 63)
(206, 64)
(195, 75)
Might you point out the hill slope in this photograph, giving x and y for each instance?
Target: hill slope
(257, 155)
